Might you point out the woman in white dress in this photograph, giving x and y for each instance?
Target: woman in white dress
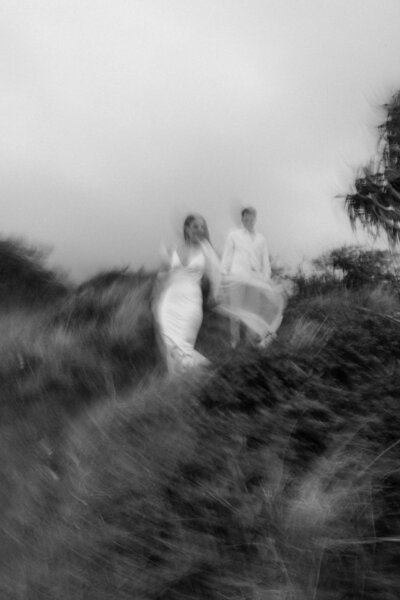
(179, 310)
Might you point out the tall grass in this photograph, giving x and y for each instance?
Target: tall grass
(271, 475)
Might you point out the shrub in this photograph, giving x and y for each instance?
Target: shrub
(24, 279)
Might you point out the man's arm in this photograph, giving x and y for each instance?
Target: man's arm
(227, 256)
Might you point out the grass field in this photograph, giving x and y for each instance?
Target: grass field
(272, 475)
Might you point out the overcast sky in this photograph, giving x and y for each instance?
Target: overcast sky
(118, 117)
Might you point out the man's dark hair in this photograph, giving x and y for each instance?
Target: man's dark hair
(248, 210)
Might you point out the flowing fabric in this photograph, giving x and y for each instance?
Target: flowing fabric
(254, 301)
(180, 313)
(249, 298)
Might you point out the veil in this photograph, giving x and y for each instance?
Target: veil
(248, 298)
(253, 301)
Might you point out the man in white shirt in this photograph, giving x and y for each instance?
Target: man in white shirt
(246, 250)
(245, 257)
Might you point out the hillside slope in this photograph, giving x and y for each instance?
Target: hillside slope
(270, 475)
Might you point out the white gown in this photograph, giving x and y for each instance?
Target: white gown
(254, 301)
(180, 313)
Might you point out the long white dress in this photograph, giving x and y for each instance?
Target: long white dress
(253, 301)
(180, 313)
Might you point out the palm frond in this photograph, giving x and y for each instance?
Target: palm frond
(375, 203)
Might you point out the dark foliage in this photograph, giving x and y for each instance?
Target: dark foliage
(105, 279)
(349, 267)
(83, 347)
(375, 203)
(23, 277)
(360, 266)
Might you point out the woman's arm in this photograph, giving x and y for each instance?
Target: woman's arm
(166, 256)
(170, 258)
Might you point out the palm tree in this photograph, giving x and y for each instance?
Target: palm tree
(375, 204)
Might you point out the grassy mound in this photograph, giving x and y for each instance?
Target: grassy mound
(272, 475)
(24, 278)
